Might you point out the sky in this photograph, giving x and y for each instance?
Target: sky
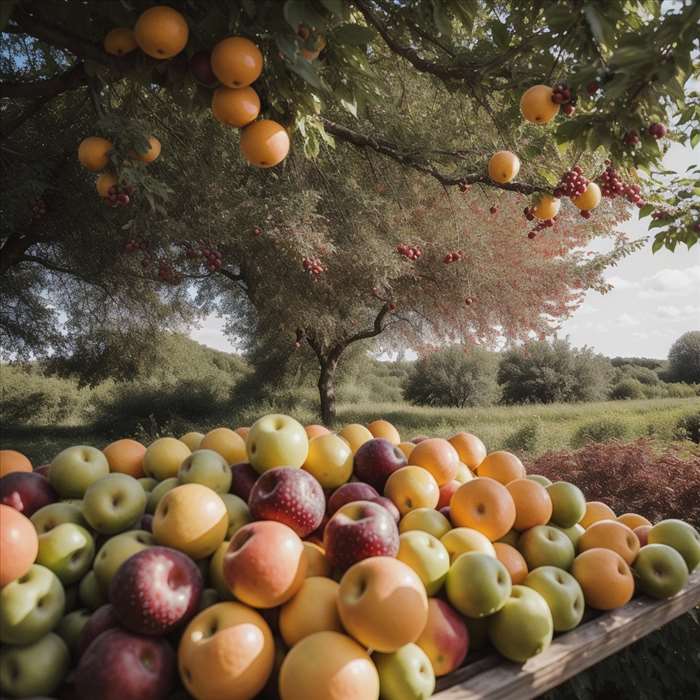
(655, 299)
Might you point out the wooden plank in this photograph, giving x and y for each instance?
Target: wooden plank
(497, 679)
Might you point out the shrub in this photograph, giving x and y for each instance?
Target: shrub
(453, 376)
(601, 430)
(541, 372)
(688, 428)
(680, 390)
(641, 374)
(647, 362)
(525, 439)
(627, 389)
(684, 358)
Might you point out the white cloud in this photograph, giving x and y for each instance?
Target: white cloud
(685, 313)
(668, 282)
(621, 282)
(627, 320)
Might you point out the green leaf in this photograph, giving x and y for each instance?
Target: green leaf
(695, 138)
(288, 46)
(298, 12)
(352, 34)
(336, 7)
(307, 71)
(440, 17)
(500, 34)
(646, 210)
(658, 243)
(599, 25)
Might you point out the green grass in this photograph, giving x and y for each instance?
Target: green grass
(557, 423)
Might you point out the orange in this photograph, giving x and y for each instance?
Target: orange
(235, 106)
(383, 429)
(93, 153)
(595, 511)
(161, 32)
(501, 466)
(104, 182)
(192, 439)
(438, 457)
(511, 558)
(536, 104)
(315, 430)
(119, 41)
(151, 153)
(126, 456)
(590, 199)
(533, 506)
(236, 61)
(19, 544)
(632, 520)
(504, 166)
(484, 505)
(470, 449)
(355, 435)
(264, 143)
(13, 461)
(604, 577)
(547, 207)
(229, 444)
(610, 534)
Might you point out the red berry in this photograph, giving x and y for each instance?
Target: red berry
(592, 87)
(531, 235)
(493, 210)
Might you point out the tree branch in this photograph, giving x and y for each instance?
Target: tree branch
(51, 87)
(372, 332)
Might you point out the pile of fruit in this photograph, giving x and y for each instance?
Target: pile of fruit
(279, 561)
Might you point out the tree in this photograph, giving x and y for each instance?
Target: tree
(454, 376)
(684, 359)
(542, 372)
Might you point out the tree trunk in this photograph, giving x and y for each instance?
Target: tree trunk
(326, 389)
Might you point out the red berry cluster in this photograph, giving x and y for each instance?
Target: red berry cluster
(631, 138)
(612, 185)
(573, 183)
(313, 266)
(119, 196)
(213, 259)
(412, 252)
(529, 213)
(561, 94)
(38, 209)
(133, 245)
(257, 231)
(454, 256)
(657, 130)
(661, 214)
(167, 274)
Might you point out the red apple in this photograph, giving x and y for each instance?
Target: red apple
(444, 638)
(120, 665)
(357, 531)
(243, 477)
(289, 496)
(376, 460)
(347, 493)
(103, 619)
(200, 66)
(26, 492)
(642, 532)
(155, 590)
(43, 470)
(446, 491)
(387, 503)
(146, 522)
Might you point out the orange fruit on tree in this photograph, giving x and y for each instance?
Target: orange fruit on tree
(104, 183)
(485, 505)
(595, 511)
(236, 61)
(511, 558)
(502, 466)
(438, 457)
(151, 152)
(470, 449)
(610, 534)
(533, 506)
(547, 207)
(383, 429)
(604, 577)
(264, 143)
(13, 461)
(126, 456)
(19, 544)
(632, 520)
(315, 430)
(235, 106)
(590, 199)
(93, 153)
(119, 41)
(318, 43)
(537, 106)
(161, 32)
(504, 166)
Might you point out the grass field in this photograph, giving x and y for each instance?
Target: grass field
(553, 425)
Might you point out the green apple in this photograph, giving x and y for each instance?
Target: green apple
(511, 537)
(276, 440)
(74, 469)
(539, 479)
(562, 594)
(568, 503)
(660, 571)
(684, 538)
(33, 669)
(90, 592)
(113, 503)
(573, 533)
(160, 491)
(70, 627)
(544, 545)
(477, 584)
(405, 674)
(238, 513)
(207, 468)
(427, 556)
(68, 550)
(148, 483)
(115, 551)
(523, 627)
(30, 606)
(54, 514)
(216, 572)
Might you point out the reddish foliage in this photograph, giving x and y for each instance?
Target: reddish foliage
(631, 477)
